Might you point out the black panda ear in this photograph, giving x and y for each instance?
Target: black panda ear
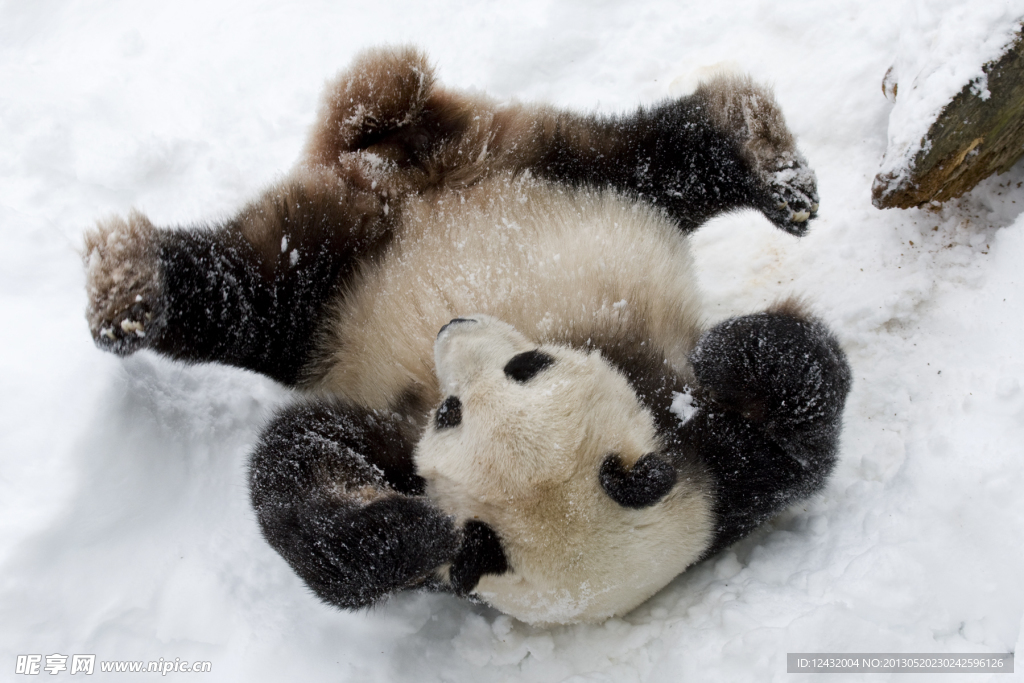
(481, 553)
(650, 479)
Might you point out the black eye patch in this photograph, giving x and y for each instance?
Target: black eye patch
(524, 366)
(449, 414)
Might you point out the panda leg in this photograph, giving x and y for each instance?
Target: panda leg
(249, 292)
(724, 147)
(772, 387)
(336, 494)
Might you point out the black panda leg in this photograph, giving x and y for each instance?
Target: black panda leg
(724, 147)
(248, 293)
(336, 494)
(772, 387)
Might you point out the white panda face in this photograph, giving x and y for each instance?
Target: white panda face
(517, 417)
(518, 442)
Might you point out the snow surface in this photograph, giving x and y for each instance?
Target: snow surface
(942, 47)
(125, 529)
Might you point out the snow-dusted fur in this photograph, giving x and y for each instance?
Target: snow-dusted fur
(548, 260)
(124, 282)
(739, 105)
(492, 309)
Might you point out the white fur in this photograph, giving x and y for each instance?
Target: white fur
(554, 263)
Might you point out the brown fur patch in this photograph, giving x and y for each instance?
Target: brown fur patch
(794, 307)
(310, 208)
(749, 112)
(123, 278)
(384, 123)
(384, 90)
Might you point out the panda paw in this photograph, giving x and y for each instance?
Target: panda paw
(780, 369)
(746, 113)
(124, 283)
(792, 193)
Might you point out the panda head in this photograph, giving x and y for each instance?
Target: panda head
(517, 416)
(551, 447)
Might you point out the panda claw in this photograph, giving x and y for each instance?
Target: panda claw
(129, 326)
(791, 193)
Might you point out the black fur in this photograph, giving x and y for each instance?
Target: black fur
(225, 301)
(449, 413)
(336, 494)
(480, 554)
(524, 366)
(648, 373)
(672, 154)
(647, 482)
(772, 387)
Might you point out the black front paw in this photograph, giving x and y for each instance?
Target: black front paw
(777, 368)
(397, 541)
(354, 557)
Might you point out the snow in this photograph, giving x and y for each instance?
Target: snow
(125, 527)
(942, 47)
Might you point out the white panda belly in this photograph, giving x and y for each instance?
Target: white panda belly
(557, 264)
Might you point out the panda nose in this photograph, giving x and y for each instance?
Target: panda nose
(452, 322)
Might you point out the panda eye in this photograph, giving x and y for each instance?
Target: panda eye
(449, 414)
(524, 366)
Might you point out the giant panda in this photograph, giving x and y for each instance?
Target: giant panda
(492, 313)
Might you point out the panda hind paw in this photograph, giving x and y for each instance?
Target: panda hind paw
(784, 186)
(123, 283)
(792, 193)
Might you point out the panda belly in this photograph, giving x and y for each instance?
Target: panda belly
(561, 266)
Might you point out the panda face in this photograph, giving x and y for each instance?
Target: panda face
(517, 418)
(518, 442)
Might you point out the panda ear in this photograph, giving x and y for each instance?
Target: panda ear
(649, 480)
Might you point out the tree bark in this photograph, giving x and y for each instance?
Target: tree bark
(970, 140)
